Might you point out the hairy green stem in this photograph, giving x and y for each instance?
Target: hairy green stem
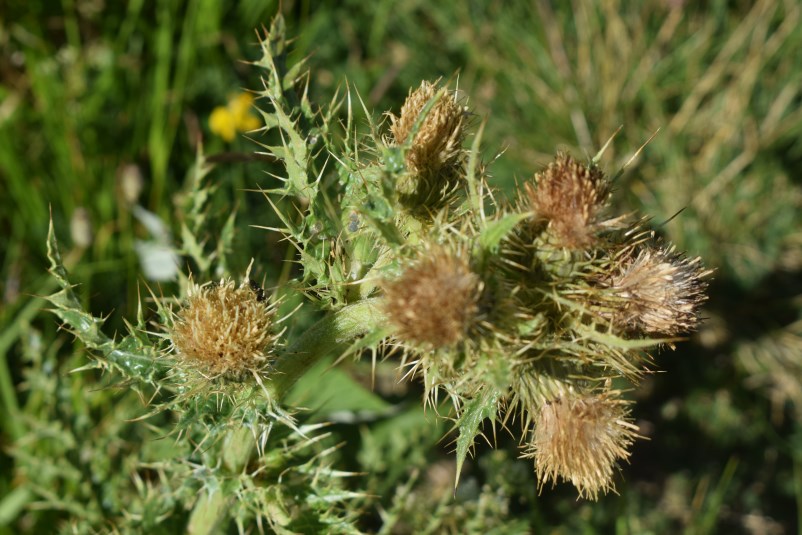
(335, 332)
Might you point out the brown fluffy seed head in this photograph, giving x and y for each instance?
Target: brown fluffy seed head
(570, 196)
(437, 145)
(658, 291)
(225, 330)
(580, 439)
(435, 301)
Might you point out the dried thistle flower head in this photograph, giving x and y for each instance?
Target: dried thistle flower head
(225, 330)
(658, 291)
(570, 196)
(438, 141)
(435, 156)
(580, 438)
(435, 301)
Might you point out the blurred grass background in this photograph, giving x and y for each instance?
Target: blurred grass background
(99, 97)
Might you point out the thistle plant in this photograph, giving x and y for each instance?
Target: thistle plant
(531, 314)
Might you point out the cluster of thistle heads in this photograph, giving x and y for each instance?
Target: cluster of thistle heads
(526, 311)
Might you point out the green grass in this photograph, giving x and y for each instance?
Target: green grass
(84, 94)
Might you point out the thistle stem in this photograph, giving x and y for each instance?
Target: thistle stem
(335, 332)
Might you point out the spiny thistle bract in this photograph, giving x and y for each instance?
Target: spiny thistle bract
(525, 310)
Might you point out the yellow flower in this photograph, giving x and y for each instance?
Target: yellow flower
(236, 116)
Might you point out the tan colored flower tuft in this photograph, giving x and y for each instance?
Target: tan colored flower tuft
(570, 196)
(658, 291)
(435, 301)
(225, 330)
(435, 156)
(438, 141)
(580, 439)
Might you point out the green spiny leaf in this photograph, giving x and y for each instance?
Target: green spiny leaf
(131, 357)
(491, 236)
(473, 414)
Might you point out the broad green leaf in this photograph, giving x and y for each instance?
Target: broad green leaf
(326, 390)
